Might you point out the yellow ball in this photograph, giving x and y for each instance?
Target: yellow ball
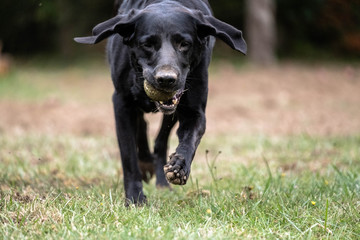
(155, 94)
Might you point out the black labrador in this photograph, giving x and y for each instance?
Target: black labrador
(159, 52)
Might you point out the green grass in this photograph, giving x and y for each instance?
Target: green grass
(70, 187)
(14, 86)
(259, 187)
(42, 79)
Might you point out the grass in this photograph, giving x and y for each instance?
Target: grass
(67, 186)
(43, 79)
(70, 187)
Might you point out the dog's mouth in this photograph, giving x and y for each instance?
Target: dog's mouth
(169, 106)
(165, 101)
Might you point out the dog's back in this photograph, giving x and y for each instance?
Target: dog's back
(126, 5)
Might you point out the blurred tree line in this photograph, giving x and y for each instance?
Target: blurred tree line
(302, 27)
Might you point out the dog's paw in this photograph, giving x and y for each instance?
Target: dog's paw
(134, 194)
(136, 202)
(176, 171)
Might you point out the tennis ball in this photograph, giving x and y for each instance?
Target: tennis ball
(157, 95)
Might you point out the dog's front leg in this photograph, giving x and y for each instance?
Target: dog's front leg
(191, 129)
(160, 149)
(126, 127)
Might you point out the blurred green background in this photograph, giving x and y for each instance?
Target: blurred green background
(306, 28)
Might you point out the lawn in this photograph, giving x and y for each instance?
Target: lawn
(61, 178)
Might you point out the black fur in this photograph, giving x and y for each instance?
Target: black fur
(168, 43)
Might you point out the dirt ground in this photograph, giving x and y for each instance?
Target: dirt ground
(287, 99)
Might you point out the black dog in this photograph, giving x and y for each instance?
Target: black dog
(159, 52)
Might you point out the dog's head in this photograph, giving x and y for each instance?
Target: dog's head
(165, 43)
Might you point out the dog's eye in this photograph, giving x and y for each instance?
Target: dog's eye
(184, 46)
(147, 45)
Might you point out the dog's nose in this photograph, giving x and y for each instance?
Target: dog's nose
(166, 78)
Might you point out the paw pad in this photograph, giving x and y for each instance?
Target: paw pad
(176, 171)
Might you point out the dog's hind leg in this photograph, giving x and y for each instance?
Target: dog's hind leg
(146, 160)
(126, 128)
(160, 150)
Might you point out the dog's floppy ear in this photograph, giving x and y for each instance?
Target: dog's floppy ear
(122, 24)
(209, 25)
